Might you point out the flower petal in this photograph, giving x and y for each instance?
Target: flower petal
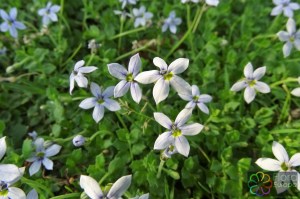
(148, 77)
(161, 90)
(239, 86)
(287, 48)
(295, 92)
(294, 6)
(32, 194)
(52, 150)
(17, 193)
(195, 90)
(108, 92)
(179, 65)
(13, 13)
(288, 12)
(191, 105)
(262, 87)
(13, 31)
(111, 105)
(87, 69)
(280, 152)
(90, 187)
(55, 8)
(4, 15)
(277, 10)
(259, 73)
(268, 164)
(96, 90)
(295, 160)
(191, 129)
(163, 140)
(2, 147)
(180, 85)
(163, 120)
(88, 103)
(291, 26)
(117, 70)
(183, 117)
(182, 145)
(78, 65)
(98, 112)
(248, 71)
(134, 64)
(121, 88)
(160, 63)
(203, 107)
(72, 81)
(249, 94)
(48, 164)
(119, 187)
(35, 167)
(9, 172)
(136, 92)
(205, 98)
(283, 36)
(81, 80)
(19, 25)
(188, 97)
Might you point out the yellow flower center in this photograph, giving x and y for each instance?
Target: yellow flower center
(284, 166)
(168, 76)
(129, 77)
(176, 133)
(251, 83)
(3, 193)
(40, 154)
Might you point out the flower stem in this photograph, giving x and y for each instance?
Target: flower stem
(289, 79)
(160, 167)
(121, 30)
(70, 195)
(128, 32)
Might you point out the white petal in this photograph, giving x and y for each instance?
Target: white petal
(173, 28)
(248, 71)
(161, 90)
(287, 47)
(183, 117)
(212, 2)
(48, 164)
(16, 193)
(191, 129)
(205, 98)
(239, 86)
(163, 141)
(288, 12)
(186, 97)
(249, 94)
(72, 81)
(121, 88)
(203, 108)
(297, 44)
(111, 105)
(280, 152)
(191, 105)
(179, 65)
(90, 187)
(291, 26)
(87, 69)
(163, 120)
(88, 103)
(134, 64)
(159, 62)
(268, 164)
(259, 72)
(108, 92)
(98, 112)
(2, 147)
(262, 87)
(117, 70)
(32, 194)
(81, 80)
(294, 6)
(283, 36)
(9, 172)
(180, 85)
(119, 187)
(295, 160)
(195, 90)
(182, 145)
(136, 92)
(148, 77)
(96, 90)
(52, 150)
(78, 65)
(277, 10)
(280, 179)
(35, 167)
(296, 92)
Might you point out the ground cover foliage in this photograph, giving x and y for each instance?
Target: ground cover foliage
(219, 41)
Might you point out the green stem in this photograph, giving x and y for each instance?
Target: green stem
(73, 55)
(104, 177)
(68, 139)
(284, 111)
(127, 33)
(289, 79)
(204, 154)
(70, 195)
(122, 121)
(160, 167)
(259, 37)
(199, 18)
(90, 59)
(121, 30)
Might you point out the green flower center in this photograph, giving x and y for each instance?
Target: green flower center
(168, 76)
(284, 166)
(176, 132)
(3, 193)
(100, 101)
(292, 39)
(251, 83)
(40, 154)
(129, 77)
(195, 98)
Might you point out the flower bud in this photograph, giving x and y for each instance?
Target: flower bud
(78, 140)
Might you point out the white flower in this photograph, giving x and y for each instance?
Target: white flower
(283, 164)
(296, 91)
(144, 196)
(49, 13)
(127, 78)
(124, 2)
(164, 77)
(285, 6)
(251, 83)
(195, 98)
(78, 75)
(123, 14)
(141, 16)
(93, 190)
(78, 140)
(291, 37)
(176, 131)
(171, 22)
(212, 2)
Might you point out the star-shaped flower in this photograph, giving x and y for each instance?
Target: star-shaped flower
(78, 75)
(171, 22)
(127, 78)
(99, 101)
(285, 6)
(176, 131)
(164, 77)
(291, 37)
(251, 83)
(141, 16)
(49, 13)
(283, 165)
(10, 22)
(125, 2)
(93, 190)
(195, 98)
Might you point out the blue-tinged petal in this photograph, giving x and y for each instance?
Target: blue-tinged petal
(148, 77)
(287, 48)
(144, 196)
(32, 195)
(269, 164)
(134, 64)
(163, 120)
(173, 28)
(53, 16)
(88, 103)
(288, 12)
(96, 90)
(4, 15)
(248, 71)
(259, 73)
(249, 94)
(121, 88)
(4, 27)
(39, 144)
(87, 69)
(2, 147)
(136, 92)
(297, 44)
(16, 193)
(205, 98)
(294, 6)
(182, 145)
(119, 187)
(203, 107)
(191, 129)
(111, 105)
(117, 70)
(164, 27)
(212, 2)
(277, 10)
(160, 63)
(280, 152)
(180, 85)
(179, 65)
(108, 92)
(188, 97)
(42, 11)
(283, 36)
(195, 90)
(78, 65)
(19, 25)
(191, 105)
(46, 20)
(52, 150)
(54, 8)
(13, 31)
(13, 13)
(183, 117)
(90, 187)
(98, 112)
(81, 80)
(21, 173)
(177, 21)
(291, 26)
(239, 86)
(48, 164)
(161, 90)
(9, 172)
(262, 87)
(35, 167)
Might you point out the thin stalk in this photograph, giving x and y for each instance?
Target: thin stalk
(121, 30)
(160, 167)
(70, 195)
(127, 33)
(289, 79)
